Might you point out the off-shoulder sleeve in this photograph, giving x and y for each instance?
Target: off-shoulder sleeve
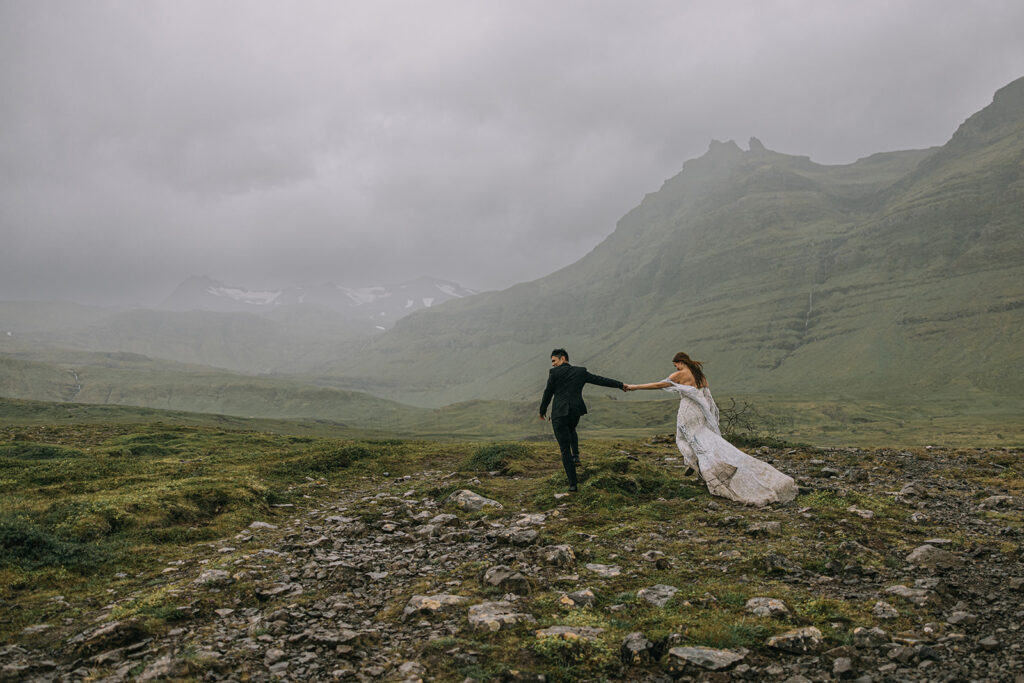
(673, 389)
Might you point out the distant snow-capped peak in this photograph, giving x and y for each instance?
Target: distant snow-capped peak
(384, 304)
(245, 296)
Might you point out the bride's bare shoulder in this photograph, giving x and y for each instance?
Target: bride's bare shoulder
(681, 377)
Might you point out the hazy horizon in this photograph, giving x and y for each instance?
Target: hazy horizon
(486, 144)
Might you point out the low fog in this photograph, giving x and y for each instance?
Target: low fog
(269, 144)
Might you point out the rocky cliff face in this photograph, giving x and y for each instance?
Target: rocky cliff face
(898, 274)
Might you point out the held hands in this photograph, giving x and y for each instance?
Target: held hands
(629, 387)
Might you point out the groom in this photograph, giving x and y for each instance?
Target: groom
(565, 384)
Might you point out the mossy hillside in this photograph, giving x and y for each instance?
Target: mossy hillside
(155, 498)
(81, 503)
(837, 419)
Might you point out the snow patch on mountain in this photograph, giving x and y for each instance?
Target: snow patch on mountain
(450, 291)
(368, 308)
(245, 296)
(366, 295)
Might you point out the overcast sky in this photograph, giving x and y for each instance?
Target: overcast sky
(294, 142)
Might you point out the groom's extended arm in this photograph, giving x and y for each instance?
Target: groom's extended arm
(549, 391)
(604, 381)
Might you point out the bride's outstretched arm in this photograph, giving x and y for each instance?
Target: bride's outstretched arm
(652, 385)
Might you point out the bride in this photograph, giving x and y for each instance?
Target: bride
(727, 471)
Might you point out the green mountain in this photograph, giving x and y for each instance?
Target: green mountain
(899, 277)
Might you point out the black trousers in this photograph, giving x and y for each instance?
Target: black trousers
(568, 442)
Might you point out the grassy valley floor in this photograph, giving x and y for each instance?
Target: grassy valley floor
(156, 551)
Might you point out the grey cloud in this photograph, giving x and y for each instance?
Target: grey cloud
(283, 143)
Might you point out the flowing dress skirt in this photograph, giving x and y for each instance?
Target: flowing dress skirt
(727, 471)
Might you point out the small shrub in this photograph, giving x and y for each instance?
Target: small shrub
(28, 546)
(322, 461)
(573, 659)
(732, 598)
(625, 482)
(497, 457)
(744, 426)
(729, 635)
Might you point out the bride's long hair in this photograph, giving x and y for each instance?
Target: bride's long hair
(695, 368)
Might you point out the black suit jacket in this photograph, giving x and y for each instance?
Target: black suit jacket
(565, 384)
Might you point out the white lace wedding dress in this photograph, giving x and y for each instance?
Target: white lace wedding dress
(727, 471)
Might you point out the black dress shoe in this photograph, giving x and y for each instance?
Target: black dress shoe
(573, 489)
(576, 461)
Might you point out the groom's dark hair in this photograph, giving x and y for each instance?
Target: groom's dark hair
(560, 353)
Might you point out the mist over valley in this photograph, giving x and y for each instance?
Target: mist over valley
(894, 281)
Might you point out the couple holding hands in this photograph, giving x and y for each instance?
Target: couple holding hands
(726, 470)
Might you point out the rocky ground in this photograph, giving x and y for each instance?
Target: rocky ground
(890, 566)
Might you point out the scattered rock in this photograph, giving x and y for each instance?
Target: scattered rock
(798, 641)
(842, 667)
(913, 490)
(658, 595)
(495, 616)
(534, 519)
(108, 636)
(989, 643)
(921, 597)
(431, 604)
(959, 617)
(580, 598)
(517, 536)
(932, 557)
(779, 564)
(570, 632)
(767, 607)
(997, 502)
(445, 520)
(214, 578)
(508, 579)
(636, 650)
(277, 589)
(606, 571)
(683, 659)
(471, 502)
(765, 529)
(558, 555)
(937, 542)
(262, 525)
(869, 638)
(164, 668)
(860, 512)
(884, 610)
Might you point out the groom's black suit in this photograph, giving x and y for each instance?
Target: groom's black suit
(565, 385)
